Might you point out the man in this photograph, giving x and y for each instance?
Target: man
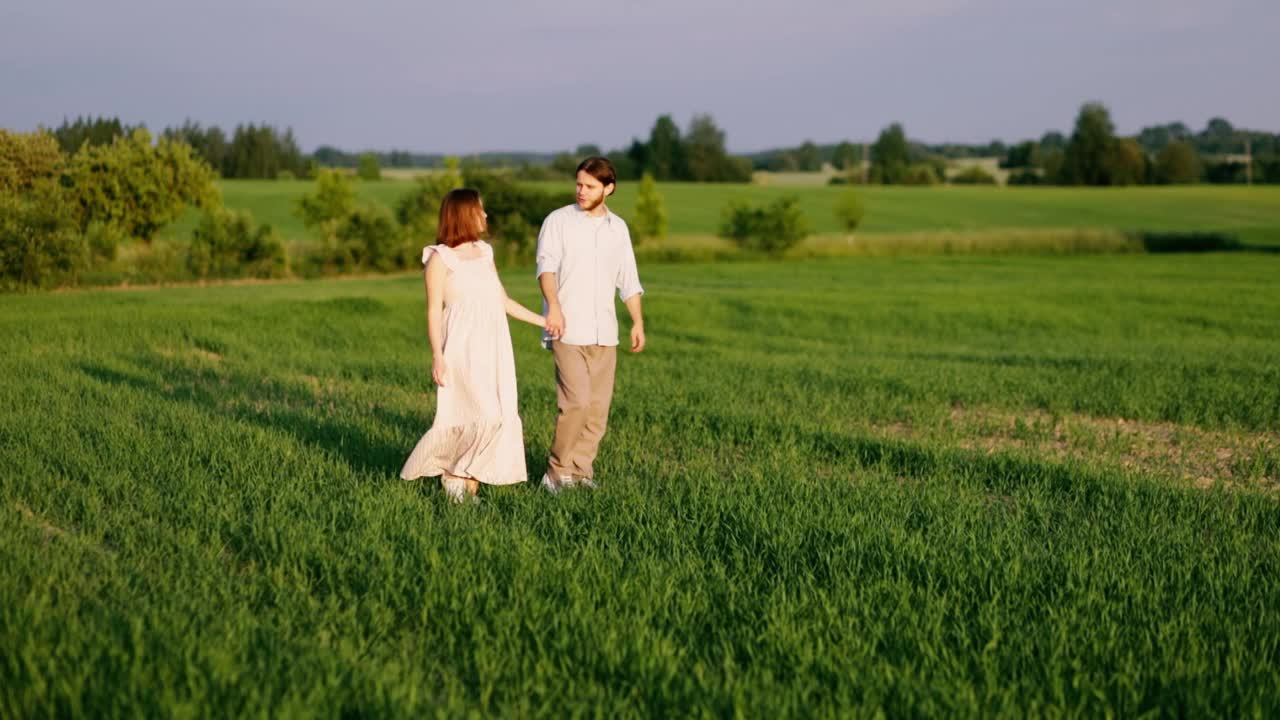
(584, 255)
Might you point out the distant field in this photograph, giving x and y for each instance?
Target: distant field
(1252, 213)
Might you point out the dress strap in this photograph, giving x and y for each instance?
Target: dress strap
(444, 251)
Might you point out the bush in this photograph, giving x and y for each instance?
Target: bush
(334, 198)
(973, 175)
(104, 240)
(418, 210)
(850, 210)
(228, 244)
(40, 244)
(515, 211)
(770, 229)
(366, 239)
(920, 174)
(651, 212)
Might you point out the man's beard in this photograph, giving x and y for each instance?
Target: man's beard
(589, 206)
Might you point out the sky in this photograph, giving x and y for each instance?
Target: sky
(543, 75)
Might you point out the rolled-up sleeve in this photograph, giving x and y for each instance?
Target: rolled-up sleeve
(628, 276)
(550, 246)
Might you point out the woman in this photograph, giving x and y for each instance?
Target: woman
(477, 436)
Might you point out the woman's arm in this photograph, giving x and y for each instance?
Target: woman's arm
(434, 278)
(520, 312)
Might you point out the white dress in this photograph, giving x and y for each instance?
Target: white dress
(477, 431)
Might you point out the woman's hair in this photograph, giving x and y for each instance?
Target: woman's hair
(599, 168)
(460, 214)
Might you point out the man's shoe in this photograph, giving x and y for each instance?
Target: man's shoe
(553, 485)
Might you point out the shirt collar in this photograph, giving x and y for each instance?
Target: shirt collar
(608, 214)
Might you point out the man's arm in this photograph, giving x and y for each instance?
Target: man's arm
(637, 322)
(629, 291)
(550, 247)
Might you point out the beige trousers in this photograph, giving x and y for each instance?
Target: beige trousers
(584, 389)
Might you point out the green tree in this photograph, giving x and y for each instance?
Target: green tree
(890, 155)
(1127, 163)
(27, 158)
(706, 158)
(1177, 164)
(1023, 155)
(850, 210)
(846, 157)
(1088, 159)
(333, 199)
(666, 151)
(89, 131)
(368, 167)
(650, 220)
(808, 157)
(139, 187)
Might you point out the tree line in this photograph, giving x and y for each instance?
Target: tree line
(250, 151)
(1093, 154)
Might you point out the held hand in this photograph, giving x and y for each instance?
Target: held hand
(637, 338)
(438, 370)
(555, 323)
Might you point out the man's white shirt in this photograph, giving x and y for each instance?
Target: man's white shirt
(591, 257)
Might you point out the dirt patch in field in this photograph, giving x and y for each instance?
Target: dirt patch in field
(1163, 449)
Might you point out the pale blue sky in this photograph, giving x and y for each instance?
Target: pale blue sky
(543, 75)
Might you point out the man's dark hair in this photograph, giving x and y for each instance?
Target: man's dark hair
(599, 168)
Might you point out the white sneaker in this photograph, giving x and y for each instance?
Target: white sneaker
(585, 483)
(554, 486)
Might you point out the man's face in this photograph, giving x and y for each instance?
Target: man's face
(591, 192)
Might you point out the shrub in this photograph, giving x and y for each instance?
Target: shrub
(334, 198)
(370, 237)
(920, 174)
(850, 210)
(770, 229)
(515, 211)
(651, 212)
(40, 244)
(228, 244)
(973, 175)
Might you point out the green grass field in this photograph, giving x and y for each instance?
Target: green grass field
(1251, 213)
(910, 486)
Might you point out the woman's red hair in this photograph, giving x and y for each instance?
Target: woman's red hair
(460, 214)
